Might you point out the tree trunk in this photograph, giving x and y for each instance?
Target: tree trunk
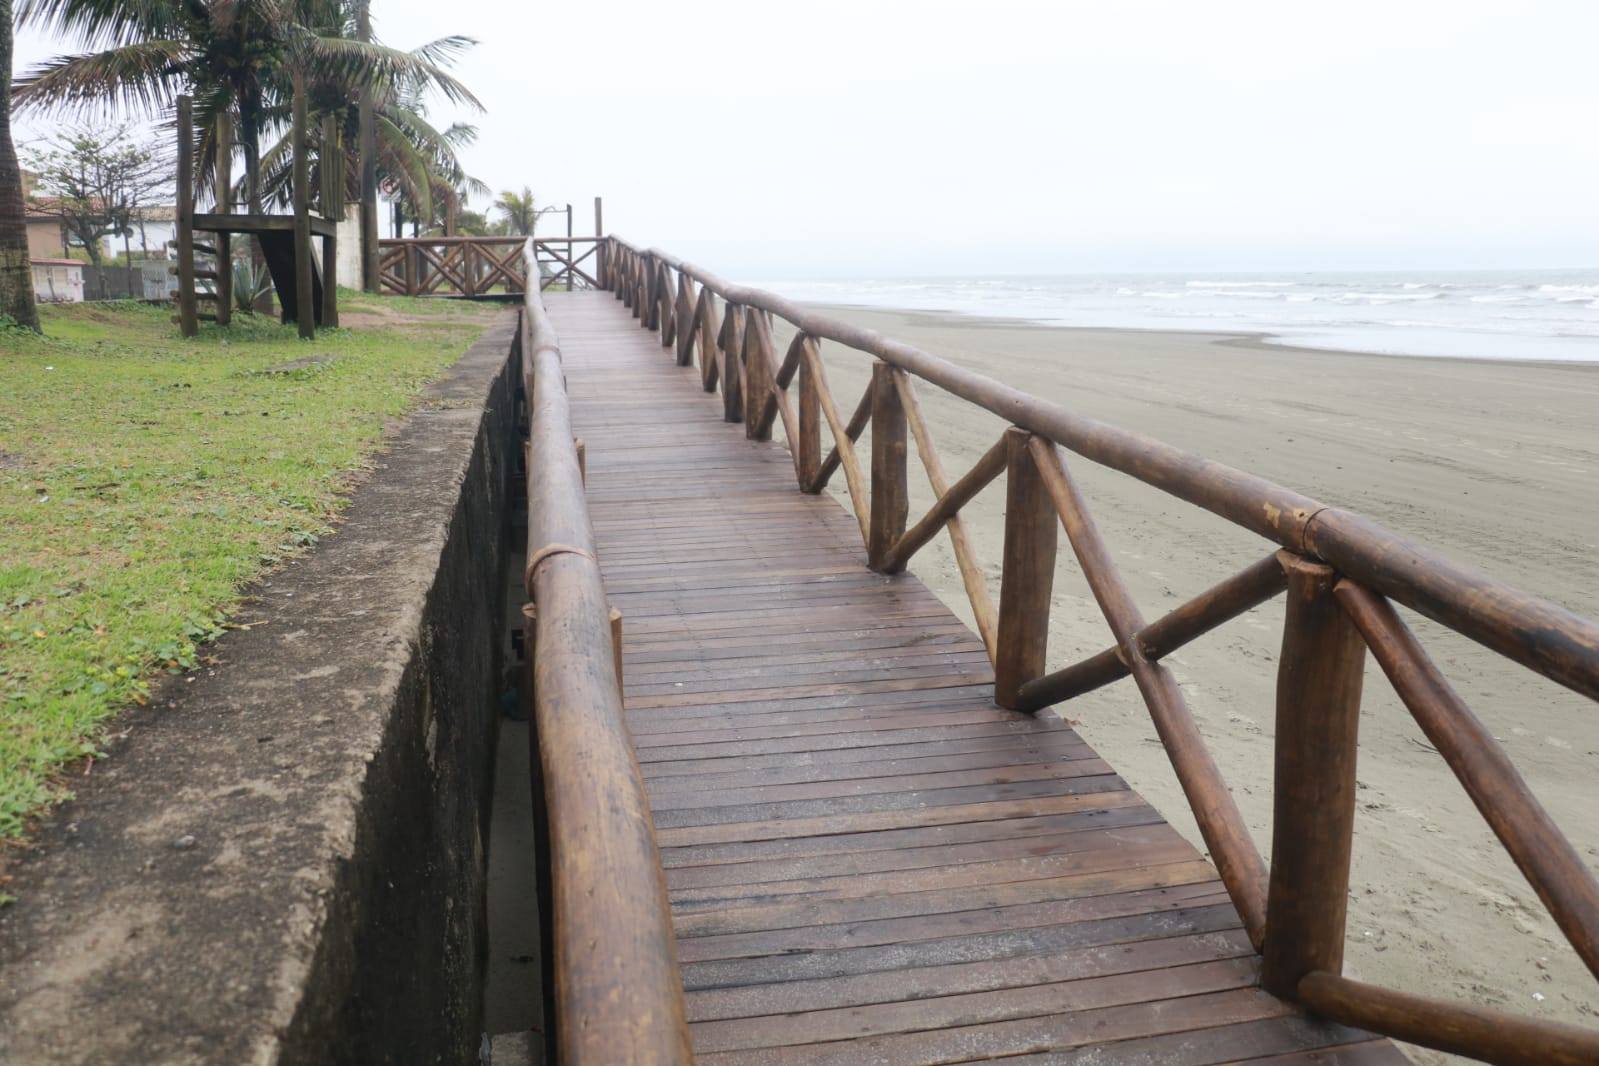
(16, 273)
(367, 138)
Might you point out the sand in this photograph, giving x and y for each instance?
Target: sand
(1496, 464)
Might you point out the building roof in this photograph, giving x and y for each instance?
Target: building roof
(56, 262)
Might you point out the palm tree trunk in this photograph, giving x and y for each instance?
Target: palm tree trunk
(367, 136)
(16, 273)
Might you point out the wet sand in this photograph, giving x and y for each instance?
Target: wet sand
(1495, 464)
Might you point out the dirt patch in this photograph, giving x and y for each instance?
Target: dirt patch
(445, 311)
(310, 362)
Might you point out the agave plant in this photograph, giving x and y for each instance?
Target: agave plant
(251, 281)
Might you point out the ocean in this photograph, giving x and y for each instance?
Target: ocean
(1523, 314)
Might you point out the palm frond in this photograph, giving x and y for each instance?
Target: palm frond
(142, 76)
(104, 23)
(460, 135)
(444, 51)
(364, 64)
(407, 165)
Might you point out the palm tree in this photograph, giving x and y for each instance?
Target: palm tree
(231, 55)
(518, 209)
(413, 156)
(418, 166)
(16, 273)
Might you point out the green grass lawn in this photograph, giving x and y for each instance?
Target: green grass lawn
(145, 479)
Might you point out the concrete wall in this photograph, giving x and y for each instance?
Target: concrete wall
(281, 860)
(350, 247)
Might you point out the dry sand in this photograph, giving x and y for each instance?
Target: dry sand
(1496, 464)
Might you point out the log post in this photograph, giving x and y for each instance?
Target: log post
(188, 321)
(708, 334)
(809, 445)
(666, 310)
(637, 286)
(731, 343)
(650, 313)
(602, 269)
(1028, 575)
(224, 206)
(1318, 718)
(327, 150)
(615, 618)
(890, 478)
(330, 161)
(569, 270)
(683, 314)
(757, 379)
(330, 281)
(304, 312)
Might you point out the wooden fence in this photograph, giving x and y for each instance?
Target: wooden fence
(484, 266)
(613, 990)
(1338, 569)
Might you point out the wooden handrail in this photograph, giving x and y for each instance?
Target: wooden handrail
(1337, 567)
(1536, 633)
(618, 992)
(475, 266)
(515, 239)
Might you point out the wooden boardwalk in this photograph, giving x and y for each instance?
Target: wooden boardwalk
(867, 860)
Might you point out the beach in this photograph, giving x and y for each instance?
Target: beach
(1494, 464)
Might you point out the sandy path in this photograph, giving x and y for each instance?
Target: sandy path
(1495, 464)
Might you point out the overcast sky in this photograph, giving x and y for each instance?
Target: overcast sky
(872, 137)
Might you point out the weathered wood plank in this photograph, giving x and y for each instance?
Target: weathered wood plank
(867, 859)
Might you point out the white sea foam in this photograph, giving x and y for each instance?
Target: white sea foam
(1520, 314)
(1240, 284)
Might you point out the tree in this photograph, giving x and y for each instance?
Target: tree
(100, 182)
(518, 210)
(471, 224)
(236, 56)
(16, 272)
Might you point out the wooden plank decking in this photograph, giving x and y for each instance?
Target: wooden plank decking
(867, 860)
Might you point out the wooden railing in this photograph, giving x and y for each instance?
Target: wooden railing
(1339, 571)
(613, 992)
(484, 266)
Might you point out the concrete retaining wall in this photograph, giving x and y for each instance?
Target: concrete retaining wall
(282, 860)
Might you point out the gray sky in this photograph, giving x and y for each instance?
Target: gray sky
(833, 138)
